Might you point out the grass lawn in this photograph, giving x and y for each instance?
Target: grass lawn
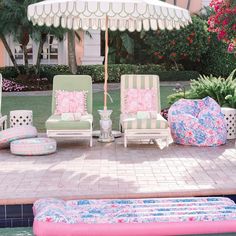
(41, 106)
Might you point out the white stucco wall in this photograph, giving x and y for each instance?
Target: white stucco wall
(92, 48)
(206, 2)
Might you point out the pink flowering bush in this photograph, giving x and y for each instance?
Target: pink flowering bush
(11, 86)
(223, 22)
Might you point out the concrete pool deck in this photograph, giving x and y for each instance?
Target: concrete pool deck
(112, 171)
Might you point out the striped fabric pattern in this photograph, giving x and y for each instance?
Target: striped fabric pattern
(130, 121)
(139, 82)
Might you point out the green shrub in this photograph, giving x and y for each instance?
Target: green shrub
(220, 89)
(178, 75)
(217, 61)
(49, 71)
(184, 46)
(176, 96)
(8, 72)
(97, 72)
(114, 71)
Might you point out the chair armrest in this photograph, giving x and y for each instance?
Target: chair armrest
(3, 122)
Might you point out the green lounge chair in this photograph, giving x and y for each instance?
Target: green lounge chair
(55, 126)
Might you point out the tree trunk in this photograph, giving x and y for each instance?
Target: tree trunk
(26, 59)
(13, 60)
(40, 49)
(188, 5)
(77, 36)
(71, 52)
(24, 42)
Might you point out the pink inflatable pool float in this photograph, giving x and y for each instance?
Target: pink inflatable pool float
(134, 217)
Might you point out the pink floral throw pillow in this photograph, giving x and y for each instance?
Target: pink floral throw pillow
(140, 100)
(70, 102)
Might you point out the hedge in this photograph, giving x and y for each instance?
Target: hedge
(218, 61)
(97, 72)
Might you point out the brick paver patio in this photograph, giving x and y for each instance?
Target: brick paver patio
(110, 170)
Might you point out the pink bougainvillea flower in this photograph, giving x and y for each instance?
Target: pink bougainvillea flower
(222, 21)
(225, 22)
(222, 34)
(231, 47)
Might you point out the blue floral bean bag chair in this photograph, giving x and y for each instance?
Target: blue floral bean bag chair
(197, 122)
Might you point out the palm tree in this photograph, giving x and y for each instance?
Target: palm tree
(188, 4)
(121, 46)
(40, 36)
(71, 35)
(3, 31)
(8, 49)
(14, 21)
(71, 52)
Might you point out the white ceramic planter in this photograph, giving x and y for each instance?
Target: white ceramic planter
(105, 126)
(21, 117)
(230, 119)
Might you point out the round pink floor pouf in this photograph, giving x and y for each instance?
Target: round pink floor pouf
(33, 146)
(15, 133)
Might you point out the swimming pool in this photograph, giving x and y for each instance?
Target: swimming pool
(16, 231)
(28, 232)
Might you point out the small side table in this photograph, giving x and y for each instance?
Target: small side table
(230, 119)
(21, 117)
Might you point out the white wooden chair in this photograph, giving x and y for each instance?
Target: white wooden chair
(3, 119)
(147, 128)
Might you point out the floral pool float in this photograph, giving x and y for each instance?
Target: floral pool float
(134, 217)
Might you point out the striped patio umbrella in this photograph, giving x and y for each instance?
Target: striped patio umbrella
(131, 15)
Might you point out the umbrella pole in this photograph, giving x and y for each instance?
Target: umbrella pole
(105, 120)
(105, 64)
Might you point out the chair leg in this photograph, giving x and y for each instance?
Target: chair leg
(5, 125)
(167, 142)
(91, 142)
(125, 141)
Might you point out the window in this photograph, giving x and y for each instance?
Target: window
(19, 54)
(50, 51)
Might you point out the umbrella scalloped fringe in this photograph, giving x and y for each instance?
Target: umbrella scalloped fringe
(83, 14)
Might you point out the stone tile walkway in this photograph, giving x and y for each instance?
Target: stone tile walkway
(110, 170)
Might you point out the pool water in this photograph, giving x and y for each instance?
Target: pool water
(28, 232)
(16, 231)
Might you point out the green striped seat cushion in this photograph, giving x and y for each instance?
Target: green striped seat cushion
(130, 121)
